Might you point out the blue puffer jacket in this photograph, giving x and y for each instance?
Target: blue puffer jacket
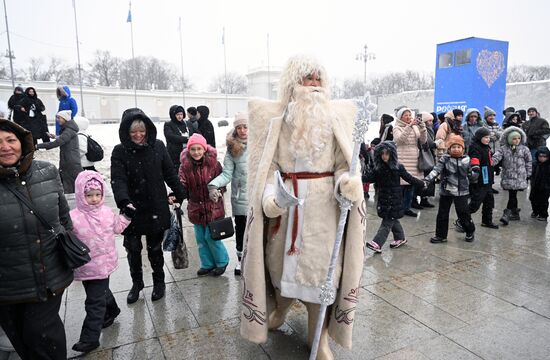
(234, 171)
(66, 102)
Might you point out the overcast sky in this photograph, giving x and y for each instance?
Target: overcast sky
(403, 34)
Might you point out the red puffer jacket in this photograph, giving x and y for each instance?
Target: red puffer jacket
(195, 177)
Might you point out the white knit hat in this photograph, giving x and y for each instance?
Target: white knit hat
(241, 118)
(65, 114)
(400, 112)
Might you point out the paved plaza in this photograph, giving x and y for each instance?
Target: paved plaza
(483, 300)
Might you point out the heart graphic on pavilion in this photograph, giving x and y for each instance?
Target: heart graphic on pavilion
(490, 65)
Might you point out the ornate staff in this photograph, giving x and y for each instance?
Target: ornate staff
(328, 293)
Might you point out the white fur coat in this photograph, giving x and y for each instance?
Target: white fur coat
(265, 121)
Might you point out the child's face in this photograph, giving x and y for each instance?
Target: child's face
(385, 156)
(196, 151)
(515, 141)
(542, 158)
(456, 150)
(486, 140)
(93, 197)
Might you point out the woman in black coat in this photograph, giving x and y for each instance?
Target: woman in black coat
(175, 132)
(386, 174)
(140, 165)
(34, 121)
(33, 275)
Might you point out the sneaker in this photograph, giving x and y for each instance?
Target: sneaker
(218, 271)
(458, 226)
(437, 240)
(203, 272)
(397, 243)
(541, 218)
(410, 213)
(374, 247)
(238, 268)
(490, 225)
(534, 215)
(469, 237)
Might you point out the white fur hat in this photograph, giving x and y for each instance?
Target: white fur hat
(65, 114)
(401, 111)
(298, 67)
(241, 118)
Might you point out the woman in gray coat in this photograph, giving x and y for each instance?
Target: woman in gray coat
(235, 171)
(69, 152)
(33, 274)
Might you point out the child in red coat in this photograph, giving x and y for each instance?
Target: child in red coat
(198, 167)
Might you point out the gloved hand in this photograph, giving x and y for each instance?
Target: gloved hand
(214, 194)
(271, 209)
(351, 187)
(129, 211)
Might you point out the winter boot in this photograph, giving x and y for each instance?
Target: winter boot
(159, 287)
(515, 215)
(156, 258)
(505, 219)
(277, 317)
(134, 261)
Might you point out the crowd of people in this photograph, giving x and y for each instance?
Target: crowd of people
(463, 152)
(299, 163)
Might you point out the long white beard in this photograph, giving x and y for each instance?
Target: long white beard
(310, 119)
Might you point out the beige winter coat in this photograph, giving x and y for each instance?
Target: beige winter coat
(406, 138)
(265, 124)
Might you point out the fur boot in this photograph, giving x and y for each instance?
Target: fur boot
(278, 315)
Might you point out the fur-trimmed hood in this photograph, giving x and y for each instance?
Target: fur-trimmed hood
(27, 149)
(389, 146)
(235, 146)
(471, 111)
(508, 130)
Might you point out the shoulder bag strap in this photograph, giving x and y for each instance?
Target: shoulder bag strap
(30, 205)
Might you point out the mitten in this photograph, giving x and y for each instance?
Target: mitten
(271, 209)
(350, 187)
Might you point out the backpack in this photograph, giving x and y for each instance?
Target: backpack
(94, 151)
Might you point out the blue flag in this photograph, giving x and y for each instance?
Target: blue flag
(129, 19)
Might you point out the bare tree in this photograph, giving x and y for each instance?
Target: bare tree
(524, 73)
(34, 70)
(187, 84)
(104, 68)
(236, 84)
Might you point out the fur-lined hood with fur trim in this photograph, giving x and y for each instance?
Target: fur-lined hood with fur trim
(390, 147)
(235, 146)
(508, 130)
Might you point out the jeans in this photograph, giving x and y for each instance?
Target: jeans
(408, 196)
(462, 210)
(211, 253)
(386, 226)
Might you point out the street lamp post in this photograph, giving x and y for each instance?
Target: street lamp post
(9, 54)
(364, 57)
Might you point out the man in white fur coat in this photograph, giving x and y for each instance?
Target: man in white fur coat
(308, 139)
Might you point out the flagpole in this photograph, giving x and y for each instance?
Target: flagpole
(133, 56)
(181, 60)
(225, 71)
(268, 71)
(78, 57)
(10, 53)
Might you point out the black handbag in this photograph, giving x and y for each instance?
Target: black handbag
(426, 160)
(75, 252)
(221, 229)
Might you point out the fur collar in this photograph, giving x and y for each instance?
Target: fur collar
(235, 146)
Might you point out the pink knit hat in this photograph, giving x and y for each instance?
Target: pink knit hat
(93, 184)
(197, 139)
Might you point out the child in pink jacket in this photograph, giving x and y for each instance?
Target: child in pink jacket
(95, 224)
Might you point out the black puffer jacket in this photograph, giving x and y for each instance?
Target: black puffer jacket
(138, 174)
(206, 128)
(387, 178)
(537, 130)
(31, 267)
(176, 135)
(33, 106)
(540, 181)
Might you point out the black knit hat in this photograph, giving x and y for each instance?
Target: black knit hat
(458, 112)
(481, 132)
(509, 109)
(441, 117)
(532, 108)
(386, 119)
